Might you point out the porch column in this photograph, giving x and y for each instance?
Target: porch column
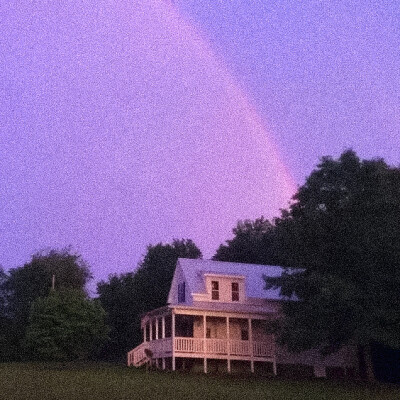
(151, 330)
(274, 362)
(228, 345)
(274, 366)
(173, 339)
(204, 341)
(157, 329)
(251, 346)
(163, 327)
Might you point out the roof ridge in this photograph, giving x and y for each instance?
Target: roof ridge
(227, 262)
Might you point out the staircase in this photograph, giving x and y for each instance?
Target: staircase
(137, 356)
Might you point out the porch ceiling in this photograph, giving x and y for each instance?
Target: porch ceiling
(224, 312)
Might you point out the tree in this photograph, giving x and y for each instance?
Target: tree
(118, 297)
(343, 232)
(66, 325)
(25, 284)
(156, 270)
(6, 332)
(127, 296)
(253, 243)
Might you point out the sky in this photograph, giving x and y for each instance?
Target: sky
(124, 124)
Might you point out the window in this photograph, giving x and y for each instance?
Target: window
(181, 292)
(235, 291)
(214, 290)
(244, 334)
(208, 333)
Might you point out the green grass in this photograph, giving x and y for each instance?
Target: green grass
(39, 381)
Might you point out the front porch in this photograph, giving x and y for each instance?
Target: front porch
(174, 334)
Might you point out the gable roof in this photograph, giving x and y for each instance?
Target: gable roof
(194, 270)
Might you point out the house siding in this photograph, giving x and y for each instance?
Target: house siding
(179, 278)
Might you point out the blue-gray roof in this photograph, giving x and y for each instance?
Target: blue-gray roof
(194, 270)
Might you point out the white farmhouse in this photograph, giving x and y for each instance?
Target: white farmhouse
(216, 319)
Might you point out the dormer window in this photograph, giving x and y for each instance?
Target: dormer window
(181, 292)
(235, 291)
(214, 290)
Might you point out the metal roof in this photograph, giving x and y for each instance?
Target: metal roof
(194, 270)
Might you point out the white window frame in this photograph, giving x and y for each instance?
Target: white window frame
(215, 291)
(235, 294)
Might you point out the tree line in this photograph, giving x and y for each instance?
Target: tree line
(46, 313)
(339, 241)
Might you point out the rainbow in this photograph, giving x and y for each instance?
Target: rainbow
(234, 91)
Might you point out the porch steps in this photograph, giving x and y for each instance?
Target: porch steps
(137, 356)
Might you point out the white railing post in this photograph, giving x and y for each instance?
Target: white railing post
(173, 339)
(273, 350)
(228, 345)
(157, 337)
(163, 337)
(251, 346)
(204, 341)
(151, 330)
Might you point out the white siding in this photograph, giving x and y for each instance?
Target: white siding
(225, 287)
(178, 278)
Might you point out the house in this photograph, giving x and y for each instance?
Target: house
(216, 319)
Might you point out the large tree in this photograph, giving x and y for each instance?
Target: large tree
(65, 325)
(253, 243)
(126, 297)
(343, 232)
(6, 327)
(34, 279)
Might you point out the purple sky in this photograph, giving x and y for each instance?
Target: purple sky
(125, 123)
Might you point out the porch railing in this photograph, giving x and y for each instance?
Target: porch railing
(137, 356)
(221, 346)
(163, 348)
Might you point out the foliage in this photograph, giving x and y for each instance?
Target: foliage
(34, 279)
(253, 243)
(65, 325)
(343, 231)
(25, 284)
(6, 326)
(118, 298)
(127, 296)
(156, 270)
(3, 293)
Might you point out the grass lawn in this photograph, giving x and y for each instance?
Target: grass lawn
(39, 381)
